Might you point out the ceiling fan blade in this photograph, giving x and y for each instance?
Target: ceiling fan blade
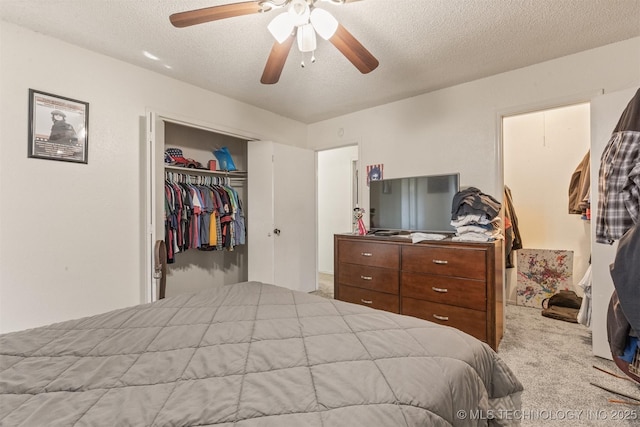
(276, 60)
(353, 50)
(214, 13)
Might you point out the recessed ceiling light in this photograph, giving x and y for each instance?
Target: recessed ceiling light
(150, 55)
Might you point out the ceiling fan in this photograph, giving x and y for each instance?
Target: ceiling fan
(301, 20)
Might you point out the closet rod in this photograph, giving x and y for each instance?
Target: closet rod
(203, 179)
(205, 172)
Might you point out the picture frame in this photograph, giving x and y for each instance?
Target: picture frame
(374, 173)
(58, 127)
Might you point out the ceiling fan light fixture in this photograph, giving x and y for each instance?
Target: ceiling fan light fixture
(281, 27)
(300, 21)
(269, 5)
(324, 23)
(299, 12)
(306, 38)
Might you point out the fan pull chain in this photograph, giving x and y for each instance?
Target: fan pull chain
(313, 58)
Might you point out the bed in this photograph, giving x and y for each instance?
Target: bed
(252, 354)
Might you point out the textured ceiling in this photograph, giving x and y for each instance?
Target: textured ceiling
(422, 45)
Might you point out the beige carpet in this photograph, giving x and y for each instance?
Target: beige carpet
(325, 285)
(554, 361)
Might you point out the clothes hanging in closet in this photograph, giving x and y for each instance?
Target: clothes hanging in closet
(619, 177)
(513, 240)
(579, 188)
(586, 283)
(202, 216)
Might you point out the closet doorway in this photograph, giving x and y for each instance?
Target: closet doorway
(283, 172)
(193, 267)
(541, 151)
(337, 196)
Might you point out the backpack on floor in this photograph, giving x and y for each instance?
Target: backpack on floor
(563, 305)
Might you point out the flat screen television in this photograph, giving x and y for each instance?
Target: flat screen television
(420, 203)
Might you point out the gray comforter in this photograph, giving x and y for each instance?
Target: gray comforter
(252, 354)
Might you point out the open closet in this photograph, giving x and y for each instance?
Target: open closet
(603, 112)
(261, 215)
(201, 205)
(541, 151)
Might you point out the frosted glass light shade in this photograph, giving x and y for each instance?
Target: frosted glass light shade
(306, 38)
(299, 12)
(324, 23)
(281, 27)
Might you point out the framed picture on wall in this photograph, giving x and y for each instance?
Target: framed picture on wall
(58, 127)
(374, 173)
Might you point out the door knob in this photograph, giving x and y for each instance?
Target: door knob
(276, 231)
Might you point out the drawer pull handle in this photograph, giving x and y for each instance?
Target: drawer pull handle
(366, 254)
(366, 277)
(445, 318)
(440, 261)
(366, 301)
(441, 290)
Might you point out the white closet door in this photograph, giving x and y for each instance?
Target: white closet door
(295, 217)
(281, 215)
(154, 149)
(605, 113)
(259, 207)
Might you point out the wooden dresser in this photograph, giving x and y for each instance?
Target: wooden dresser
(458, 284)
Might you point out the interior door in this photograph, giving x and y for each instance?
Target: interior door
(281, 215)
(154, 200)
(260, 205)
(294, 217)
(605, 113)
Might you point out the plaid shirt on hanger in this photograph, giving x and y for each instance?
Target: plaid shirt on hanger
(618, 186)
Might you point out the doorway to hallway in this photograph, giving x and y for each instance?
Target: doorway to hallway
(337, 196)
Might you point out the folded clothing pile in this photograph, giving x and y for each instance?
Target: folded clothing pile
(475, 216)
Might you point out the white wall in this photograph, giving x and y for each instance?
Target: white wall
(457, 129)
(335, 200)
(71, 234)
(541, 151)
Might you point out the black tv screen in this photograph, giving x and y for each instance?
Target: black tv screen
(421, 203)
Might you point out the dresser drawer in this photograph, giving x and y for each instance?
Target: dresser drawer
(374, 278)
(467, 293)
(368, 253)
(472, 322)
(455, 262)
(379, 300)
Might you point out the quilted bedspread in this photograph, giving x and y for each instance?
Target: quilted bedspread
(252, 354)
